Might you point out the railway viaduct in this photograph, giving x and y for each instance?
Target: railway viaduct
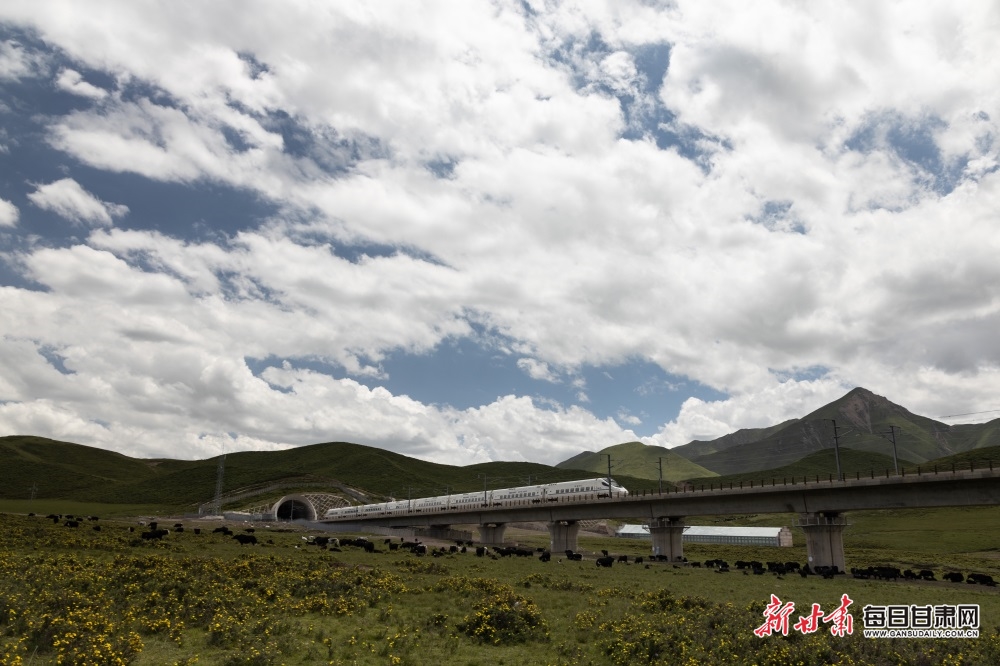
(820, 503)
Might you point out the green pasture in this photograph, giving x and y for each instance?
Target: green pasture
(77, 595)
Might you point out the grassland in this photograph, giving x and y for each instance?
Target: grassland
(76, 595)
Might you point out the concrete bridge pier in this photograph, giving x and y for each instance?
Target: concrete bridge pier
(491, 534)
(824, 538)
(666, 534)
(563, 535)
(443, 532)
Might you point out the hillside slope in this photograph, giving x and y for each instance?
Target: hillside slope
(863, 423)
(637, 460)
(44, 468)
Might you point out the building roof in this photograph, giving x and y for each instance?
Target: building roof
(709, 530)
(715, 530)
(634, 529)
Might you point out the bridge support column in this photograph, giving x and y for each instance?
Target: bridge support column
(824, 539)
(491, 534)
(442, 532)
(666, 534)
(562, 535)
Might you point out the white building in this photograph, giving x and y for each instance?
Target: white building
(737, 536)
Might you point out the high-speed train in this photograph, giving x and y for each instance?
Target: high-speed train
(550, 492)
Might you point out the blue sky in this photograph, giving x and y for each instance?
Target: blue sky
(503, 231)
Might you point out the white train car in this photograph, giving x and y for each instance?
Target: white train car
(533, 494)
(584, 488)
(426, 504)
(551, 492)
(466, 501)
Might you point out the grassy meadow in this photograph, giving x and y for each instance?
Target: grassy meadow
(81, 596)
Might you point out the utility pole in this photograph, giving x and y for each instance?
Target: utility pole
(660, 465)
(484, 478)
(609, 473)
(220, 475)
(892, 434)
(836, 448)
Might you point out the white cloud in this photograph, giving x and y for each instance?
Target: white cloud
(69, 200)
(8, 214)
(830, 203)
(72, 81)
(16, 63)
(536, 369)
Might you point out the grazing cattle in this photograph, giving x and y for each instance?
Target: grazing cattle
(152, 525)
(245, 539)
(197, 530)
(480, 551)
(639, 560)
(71, 523)
(982, 579)
(574, 557)
(604, 553)
(605, 561)
(249, 530)
(93, 518)
(453, 549)
(545, 556)
(926, 574)
(221, 530)
(393, 546)
(623, 558)
(954, 577)
(179, 529)
(176, 525)
(153, 535)
(369, 547)
(420, 550)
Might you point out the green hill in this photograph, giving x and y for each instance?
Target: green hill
(863, 424)
(821, 463)
(62, 470)
(637, 460)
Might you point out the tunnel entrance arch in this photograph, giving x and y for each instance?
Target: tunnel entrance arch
(295, 507)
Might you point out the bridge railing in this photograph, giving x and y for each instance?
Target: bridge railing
(751, 482)
(746, 483)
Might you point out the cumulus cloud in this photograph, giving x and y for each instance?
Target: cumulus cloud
(72, 81)
(735, 212)
(69, 200)
(8, 214)
(17, 62)
(536, 369)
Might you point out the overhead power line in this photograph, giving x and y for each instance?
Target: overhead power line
(951, 416)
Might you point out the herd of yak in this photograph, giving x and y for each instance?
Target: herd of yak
(247, 538)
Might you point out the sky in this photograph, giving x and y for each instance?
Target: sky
(491, 230)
